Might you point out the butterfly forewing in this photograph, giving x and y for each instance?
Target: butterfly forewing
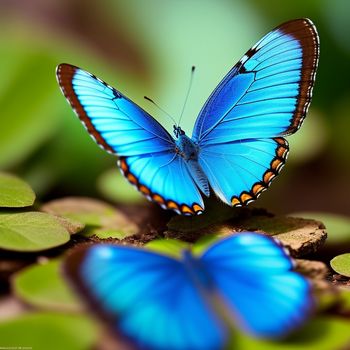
(112, 120)
(264, 97)
(268, 91)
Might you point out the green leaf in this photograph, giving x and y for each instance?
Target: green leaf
(14, 192)
(101, 219)
(114, 187)
(43, 331)
(174, 247)
(88, 211)
(31, 231)
(71, 225)
(171, 247)
(341, 264)
(338, 226)
(43, 286)
(106, 233)
(319, 334)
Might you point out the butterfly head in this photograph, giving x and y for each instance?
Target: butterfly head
(178, 131)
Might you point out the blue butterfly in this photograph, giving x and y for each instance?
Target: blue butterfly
(237, 146)
(190, 303)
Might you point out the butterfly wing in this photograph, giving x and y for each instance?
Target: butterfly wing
(254, 276)
(146, 150)
(116, 123)
(147, 296)
(264, 97)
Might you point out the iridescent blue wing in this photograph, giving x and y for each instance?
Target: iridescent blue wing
(264, 97)
(146, 150)
(165, 179)
(267, 93)
(115, 123)
(147, 297)
(254, 276)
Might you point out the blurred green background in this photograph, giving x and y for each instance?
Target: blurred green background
(147, 48)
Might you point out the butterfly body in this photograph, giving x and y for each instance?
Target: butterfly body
(238, 142)
(189, 151)
(197, 272)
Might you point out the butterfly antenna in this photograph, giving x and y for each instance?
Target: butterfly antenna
(161, 109)
(187, 94)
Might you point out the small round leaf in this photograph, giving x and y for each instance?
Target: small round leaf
(100, 218)
(171, 247)
(88, 211)
(341, 264)
(43, 286)
(54, 331)
(14, 192)
(31, 231)
(106, 233)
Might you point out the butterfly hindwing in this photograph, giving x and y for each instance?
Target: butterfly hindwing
(168, 180)
(254, 276)
(146, 296)
(243, 170)
(263, 98)
(146, 150)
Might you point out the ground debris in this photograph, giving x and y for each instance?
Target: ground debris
(300, 236)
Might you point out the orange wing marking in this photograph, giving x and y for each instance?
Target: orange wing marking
(184, 209)
(276, 166)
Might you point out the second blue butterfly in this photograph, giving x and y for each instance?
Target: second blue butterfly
(237, 146)
(193, 302)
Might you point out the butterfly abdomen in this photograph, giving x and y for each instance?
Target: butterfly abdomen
(197, 271)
